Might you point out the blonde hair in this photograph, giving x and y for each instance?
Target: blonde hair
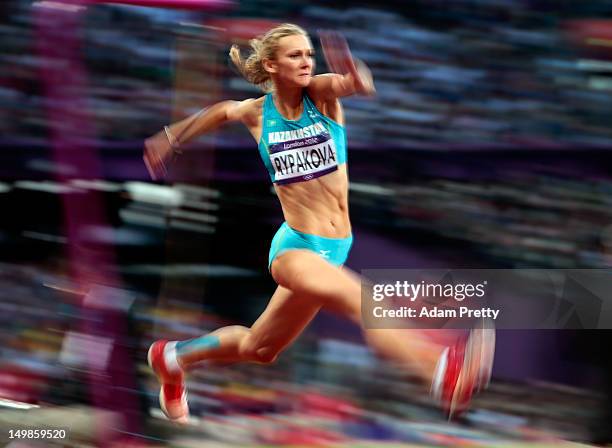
(262, 47)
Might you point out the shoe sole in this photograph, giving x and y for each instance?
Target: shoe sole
(487, 354)
(481, 343)
(150, 362)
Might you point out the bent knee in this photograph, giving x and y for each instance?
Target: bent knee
(266, 355)
(262, 354)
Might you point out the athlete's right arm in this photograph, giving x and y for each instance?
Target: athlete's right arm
(160, 148)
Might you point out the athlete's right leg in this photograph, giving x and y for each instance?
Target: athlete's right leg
(454, 372)
(338, 290)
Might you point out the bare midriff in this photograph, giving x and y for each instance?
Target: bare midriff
(318, 206)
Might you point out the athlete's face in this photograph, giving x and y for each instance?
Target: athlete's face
(294, 63)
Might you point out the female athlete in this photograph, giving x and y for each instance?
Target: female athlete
(299, 127)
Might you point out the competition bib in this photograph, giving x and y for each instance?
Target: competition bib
(303, 158)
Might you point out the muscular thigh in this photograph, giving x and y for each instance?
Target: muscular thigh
(335, 289)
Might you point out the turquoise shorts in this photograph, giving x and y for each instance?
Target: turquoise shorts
(334, 250)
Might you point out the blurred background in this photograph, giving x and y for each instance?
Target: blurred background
(487, 146)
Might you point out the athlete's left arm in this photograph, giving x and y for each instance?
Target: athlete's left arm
(351, 75)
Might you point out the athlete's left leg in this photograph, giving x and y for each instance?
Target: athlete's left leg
(282, 321)
(285, 317)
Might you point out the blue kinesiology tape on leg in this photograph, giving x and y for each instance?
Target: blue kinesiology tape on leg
(197, 345)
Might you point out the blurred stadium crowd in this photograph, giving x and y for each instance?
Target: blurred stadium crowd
(508, 73)
(487, 145)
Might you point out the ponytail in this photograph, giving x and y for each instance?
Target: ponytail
(262, 47)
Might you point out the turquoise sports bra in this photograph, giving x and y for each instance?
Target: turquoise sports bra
(303, 149)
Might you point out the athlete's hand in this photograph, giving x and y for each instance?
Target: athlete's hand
(340, 60)
(157, 154)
